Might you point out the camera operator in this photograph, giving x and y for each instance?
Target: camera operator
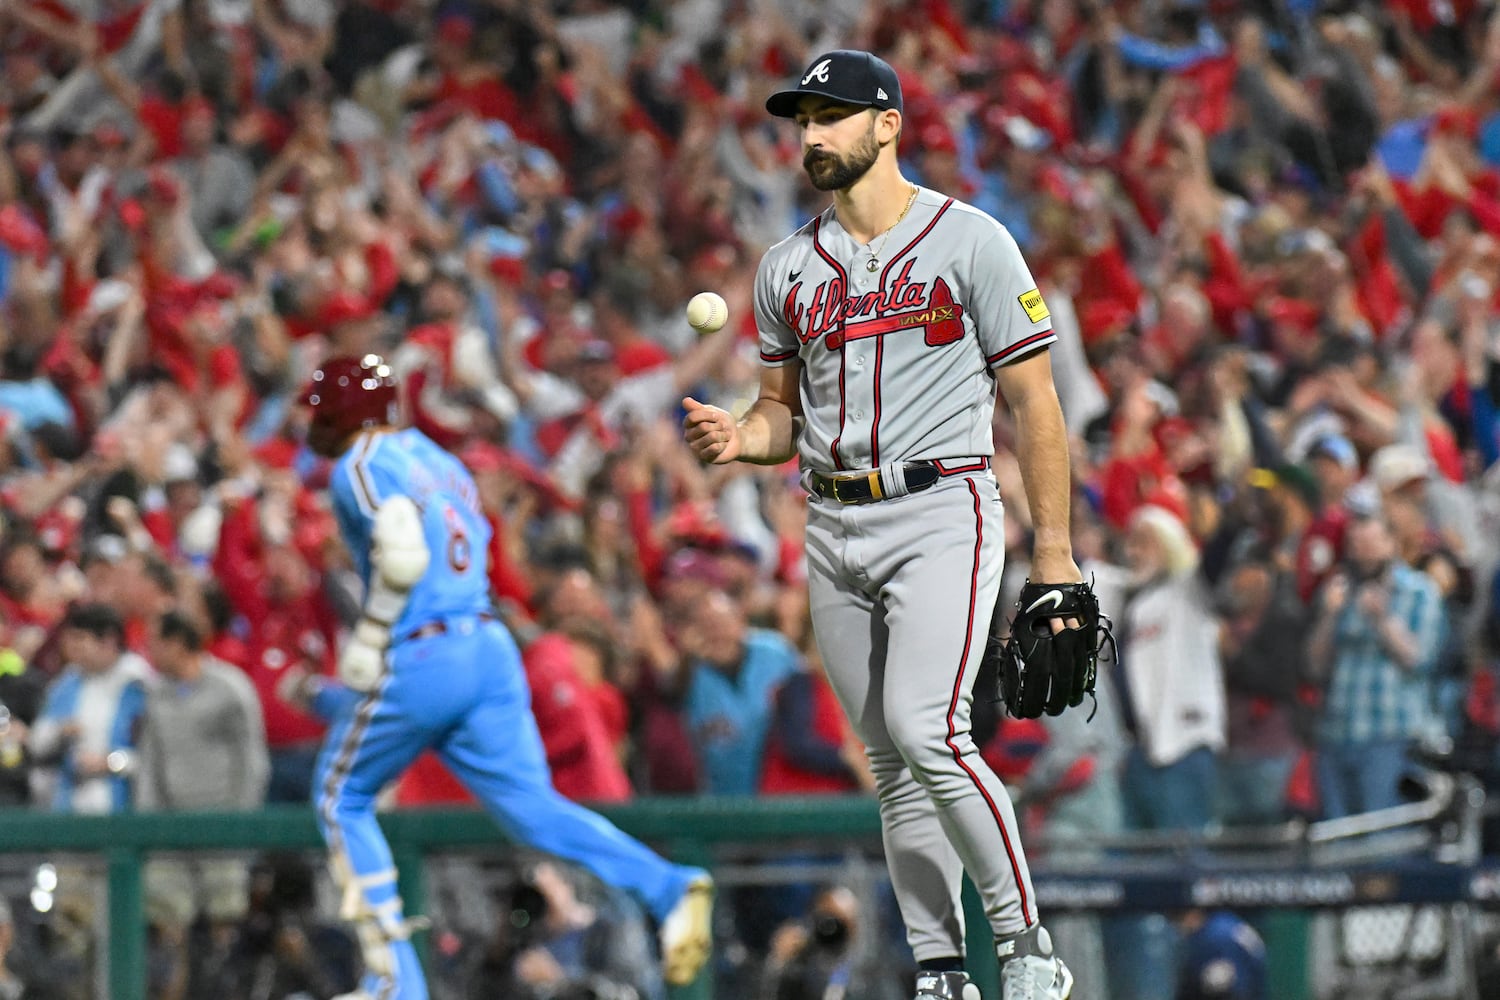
(286, 949)
(817, 958)
(555, 942)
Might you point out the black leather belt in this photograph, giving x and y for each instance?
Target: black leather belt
(439, 627)
(869, 487)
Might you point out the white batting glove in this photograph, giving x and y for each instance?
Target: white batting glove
(362, 662)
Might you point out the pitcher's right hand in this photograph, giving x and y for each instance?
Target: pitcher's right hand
(711, 432)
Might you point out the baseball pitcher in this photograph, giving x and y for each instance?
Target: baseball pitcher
(886, 325)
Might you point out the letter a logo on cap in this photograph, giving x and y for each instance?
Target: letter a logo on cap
(820, 71)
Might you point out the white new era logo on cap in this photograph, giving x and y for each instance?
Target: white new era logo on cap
(881, 94)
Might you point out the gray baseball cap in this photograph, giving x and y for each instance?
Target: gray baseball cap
(848, 76)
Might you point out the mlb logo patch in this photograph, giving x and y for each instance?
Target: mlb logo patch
(1035, 308)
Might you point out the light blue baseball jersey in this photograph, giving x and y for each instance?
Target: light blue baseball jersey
(410, 464)
(460, 690)
(730, 716)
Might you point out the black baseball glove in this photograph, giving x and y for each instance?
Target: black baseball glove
(1042, 671)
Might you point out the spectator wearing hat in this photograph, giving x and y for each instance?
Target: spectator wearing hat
(1173, 695)
(1335, 466)
(1294, 497)
(181, 518)
(938, 165)
(1406, 470)
(76, 188)
(1260, 642)
(84, 740)
(1375, 640)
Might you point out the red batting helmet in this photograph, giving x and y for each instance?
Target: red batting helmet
(348, 394)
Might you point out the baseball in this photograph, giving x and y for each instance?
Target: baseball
(707, 312)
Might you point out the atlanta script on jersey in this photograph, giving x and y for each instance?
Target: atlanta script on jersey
(897, 362)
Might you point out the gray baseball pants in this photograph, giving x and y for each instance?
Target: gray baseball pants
(902, 592)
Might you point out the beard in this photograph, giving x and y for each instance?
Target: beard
(833, 172)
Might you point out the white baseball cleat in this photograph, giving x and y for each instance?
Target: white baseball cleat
(687, 934)
(1029, 970)
(945, 986)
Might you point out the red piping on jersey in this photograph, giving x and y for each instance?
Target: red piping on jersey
(880, 344)
(1019, 345)
(787, 356)
(875, 423)
(978, 465)
(838, 463)
(958, 685)
(833, 449)
(919, 238)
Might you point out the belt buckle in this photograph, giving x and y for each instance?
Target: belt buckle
(872, 479)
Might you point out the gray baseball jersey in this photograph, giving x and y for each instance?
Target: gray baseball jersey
(896, 361)
(897, 366)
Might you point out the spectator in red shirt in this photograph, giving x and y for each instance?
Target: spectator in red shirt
(289, 629)
(578, 711)
(459, 77)
(580, 752)
(1138, 472)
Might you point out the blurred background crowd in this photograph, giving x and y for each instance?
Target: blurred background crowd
(1268, 234)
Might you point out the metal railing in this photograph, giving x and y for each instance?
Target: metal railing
(685, 829)
(1426, 851)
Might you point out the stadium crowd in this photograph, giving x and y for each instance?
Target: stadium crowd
(1268, 234)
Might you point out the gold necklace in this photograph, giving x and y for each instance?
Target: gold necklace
(873, 264)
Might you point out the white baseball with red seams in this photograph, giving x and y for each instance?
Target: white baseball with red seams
(897, 366)
(707, 312)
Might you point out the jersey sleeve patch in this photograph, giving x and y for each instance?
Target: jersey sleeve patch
(1035, 308)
